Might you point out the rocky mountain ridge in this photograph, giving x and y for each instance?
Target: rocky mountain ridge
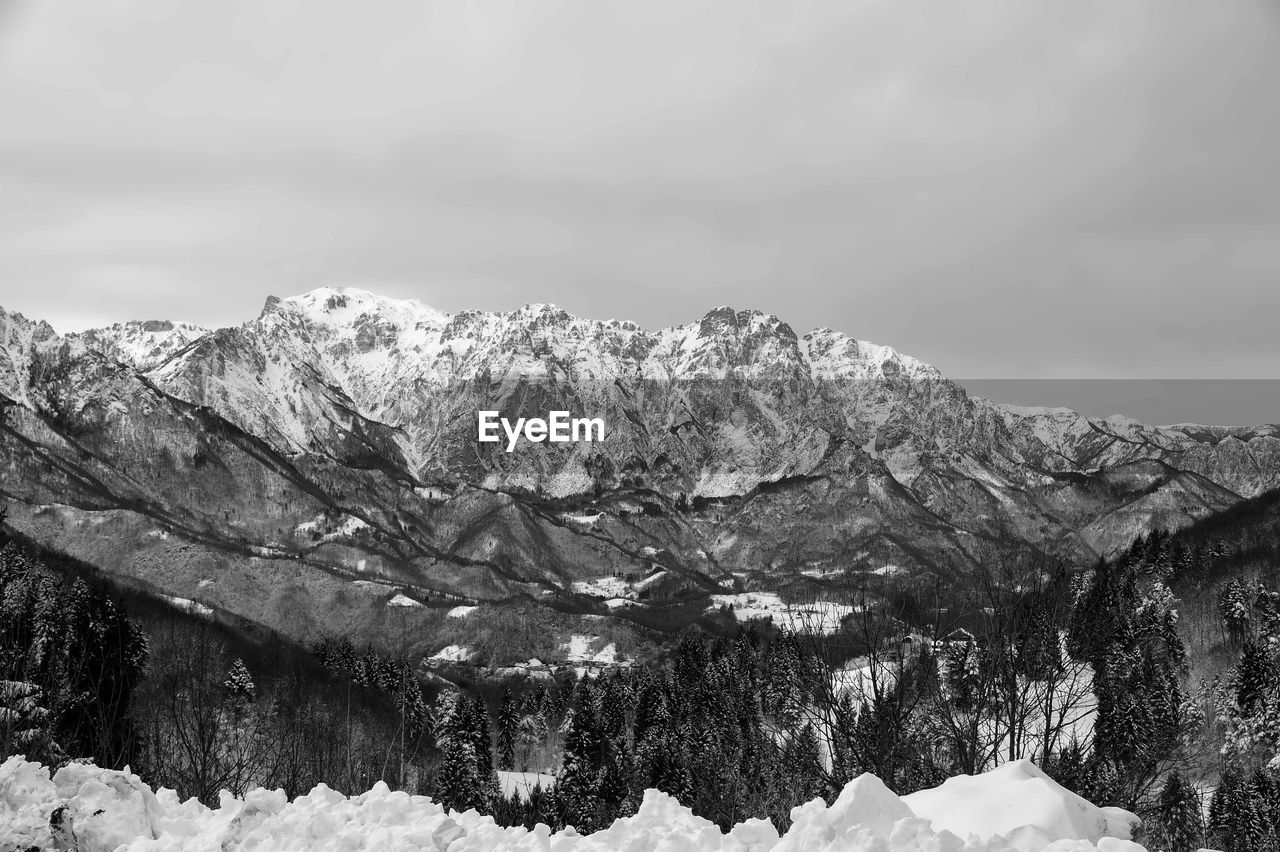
(322, 458)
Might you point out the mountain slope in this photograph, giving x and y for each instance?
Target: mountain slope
(322, 458)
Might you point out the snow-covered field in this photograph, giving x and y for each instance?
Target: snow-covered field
(1060, 710)
(617, 591)
(579, 649)
(325, 530)
(1016, 808)
(522, 782)
(582, 520)
(453, 654)
(603, 587)
(815, 617)
(188, 605)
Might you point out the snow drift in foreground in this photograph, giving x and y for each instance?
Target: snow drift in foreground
(1016, 807)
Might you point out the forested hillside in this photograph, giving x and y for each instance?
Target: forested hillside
(1099, 676)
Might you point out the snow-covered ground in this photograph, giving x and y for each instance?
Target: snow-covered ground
(1014, 808)
(582, 520)
(453, 654)
(603, 587)
(984, 805)
(1060, 710)
(522, 782)
(326, 530)
(652, 580)
(579, 650)
(814, 617)
(188, 605)
(618, 591)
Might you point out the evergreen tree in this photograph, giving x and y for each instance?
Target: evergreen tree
(613, 708)
(1255, 676)
(1267, 607)
(27, 727)
(544, 807)
(1179, 824)
(416, 715)
(476, 726)
(1267, 795)
(507, 724)
(661, 754)
(802, 765)
(78, 650)
(1233, 607)
(1104, 600)
(651, 707)
(612, 785)
(1138, 668)
(238, 684)
(576, 785)
(459, 783)
(1235, 815)
(343, 657)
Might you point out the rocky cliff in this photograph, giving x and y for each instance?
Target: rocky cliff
(305, 468)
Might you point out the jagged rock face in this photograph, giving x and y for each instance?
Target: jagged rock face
(333, 439)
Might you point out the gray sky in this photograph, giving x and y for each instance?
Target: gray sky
(1003, 188)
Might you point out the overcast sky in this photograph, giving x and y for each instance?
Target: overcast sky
(1003, 188)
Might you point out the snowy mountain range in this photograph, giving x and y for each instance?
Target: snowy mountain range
(306, 467)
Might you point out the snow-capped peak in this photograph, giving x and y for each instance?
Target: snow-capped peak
(1034, 410)
(833, 355)
(344, 305)
(140, 343)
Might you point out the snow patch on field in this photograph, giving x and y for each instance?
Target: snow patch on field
(860, 678)
(815, 617)
(1069, 694)
(188, 605)
(432, 492)
(579, 650)
(651, 581)
(322, 526)
(820, 573)
(1015, 807)
(520, 783)
(582, 520)
(615, 590)
(453, 654)
(603, 587)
